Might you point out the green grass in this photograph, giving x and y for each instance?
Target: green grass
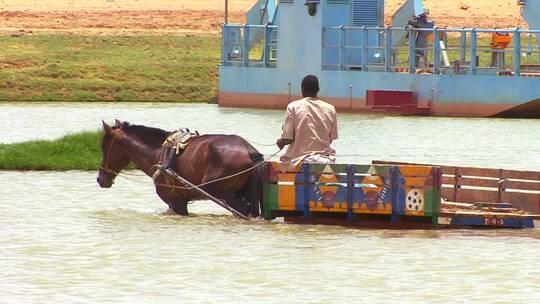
(109, 68)
(81, 151)
(54, 67)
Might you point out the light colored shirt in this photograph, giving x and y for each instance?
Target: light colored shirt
(311, 125)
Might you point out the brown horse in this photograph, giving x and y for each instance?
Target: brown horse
(206, 159)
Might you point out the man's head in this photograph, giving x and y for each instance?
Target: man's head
(310, 86)
(424, 15)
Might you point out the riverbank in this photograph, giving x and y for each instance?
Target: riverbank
(158, 16)
(142, 50)
(52, 67)
(139, 68)
(79, 151)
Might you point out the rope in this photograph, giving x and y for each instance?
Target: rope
(195, 186)
(259, 144)
(219, 179)
(132, 174)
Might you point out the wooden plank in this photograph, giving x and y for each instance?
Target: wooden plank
(502, 210)
(527, 201)
(280, 167)
(381, 170)
(336, 168)
(479, 182)
(288, 177)
(473, 195)
(416, 171)
(473, 171)
(531, 175)
(444, 168)
(491, 172)
(471, 181)
(484, 172)
(522, 185)
(447, 180)
(287, 197)
(417, 182)
(489, 214)
(497, 205)
(447, 193)
(458, 205)
(361, 169)
(493, 183)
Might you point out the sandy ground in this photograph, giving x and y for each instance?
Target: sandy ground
(205, 16)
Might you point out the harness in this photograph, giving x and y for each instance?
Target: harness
(174, 146)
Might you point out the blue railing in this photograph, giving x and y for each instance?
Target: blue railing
(249, 45)
(509, 52)
(505, 52)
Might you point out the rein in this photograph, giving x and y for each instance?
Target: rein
(106, 167)
(194, 186)
(155, 167)
(218, 179)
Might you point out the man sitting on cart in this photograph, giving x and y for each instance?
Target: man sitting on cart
(310, 127)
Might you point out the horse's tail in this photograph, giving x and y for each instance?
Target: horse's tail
(258, 176)
(256, 184)
(256, 156)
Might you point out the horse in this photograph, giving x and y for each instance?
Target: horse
(213, 160)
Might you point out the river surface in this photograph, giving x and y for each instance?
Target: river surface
(65, 240)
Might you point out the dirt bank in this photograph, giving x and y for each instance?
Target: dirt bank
(205, 16)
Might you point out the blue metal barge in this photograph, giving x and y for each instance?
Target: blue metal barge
(365, 66)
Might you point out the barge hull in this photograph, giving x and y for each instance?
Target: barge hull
(458, 109)
(443, 95)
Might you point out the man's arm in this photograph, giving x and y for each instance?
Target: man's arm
(283, 142)
(287, 136)
(413, 23)
(334, 130)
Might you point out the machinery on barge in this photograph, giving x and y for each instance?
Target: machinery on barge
(365, 66)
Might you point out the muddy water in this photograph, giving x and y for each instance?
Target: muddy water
(505, 143)
(64, 240)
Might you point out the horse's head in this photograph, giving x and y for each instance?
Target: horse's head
(114, 157)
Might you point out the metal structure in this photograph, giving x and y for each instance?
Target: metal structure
(463, 72)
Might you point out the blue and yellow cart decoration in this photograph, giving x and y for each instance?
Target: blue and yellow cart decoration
(377, 195)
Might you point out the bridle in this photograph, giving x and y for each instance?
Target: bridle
(106, 167)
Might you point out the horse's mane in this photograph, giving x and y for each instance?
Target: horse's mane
(149, 135)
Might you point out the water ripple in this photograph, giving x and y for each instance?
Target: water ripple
(64, 240)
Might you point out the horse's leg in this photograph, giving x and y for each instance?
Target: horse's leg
(179, 207)
(249, 196)
(238, 204)
(229, 197)
(175, 200)
(251, 192)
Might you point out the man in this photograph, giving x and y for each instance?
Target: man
(310, 127)
(421, 21)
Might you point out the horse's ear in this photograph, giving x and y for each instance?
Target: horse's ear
(106, 127)
(118, 123)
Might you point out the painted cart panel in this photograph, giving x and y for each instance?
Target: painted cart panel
(352, 191)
